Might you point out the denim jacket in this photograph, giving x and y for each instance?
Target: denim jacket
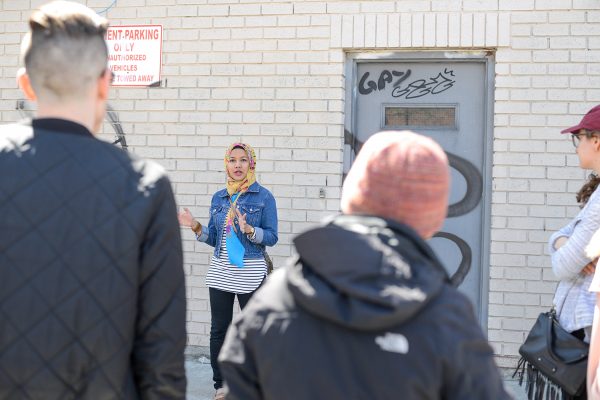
(261, 213)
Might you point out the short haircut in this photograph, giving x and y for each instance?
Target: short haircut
(64, 52)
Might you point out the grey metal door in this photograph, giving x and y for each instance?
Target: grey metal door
(446, 100)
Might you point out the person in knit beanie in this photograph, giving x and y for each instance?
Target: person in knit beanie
(403, 176)
(365, 309)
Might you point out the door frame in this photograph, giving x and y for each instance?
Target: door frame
(477, 56)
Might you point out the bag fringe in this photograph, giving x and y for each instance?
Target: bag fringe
(537, 385)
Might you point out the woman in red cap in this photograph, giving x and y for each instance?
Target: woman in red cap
(571, 264)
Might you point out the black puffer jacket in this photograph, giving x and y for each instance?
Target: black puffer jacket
(92, 297)
(366, 313)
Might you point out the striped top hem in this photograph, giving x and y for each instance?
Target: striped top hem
(222, 275)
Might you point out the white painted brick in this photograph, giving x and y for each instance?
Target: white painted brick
(565, 95)
(548, 186)
(466, 30)
(559, 199)
(441, 5)
(511, 55)
(534, 43)
(506, 235)
(312, 57)
(454, 26)
(567, 16)
(568, 43)
(293, 20)
(522, 30)
(414, 5)
(528, 69)
(585, 55)
(405, 30)
(507, 286)
(549, 81)
(417, 30)
(509, 260)
(511, 159)
(343, 8)
(526, 198)
(523, 299)
(525, 223)
(151, 12)
(528, 94)
(429, 30)
(381, 36)
(378, 7)
(320, 20)
(527, 120)
(513, 107)
(370, 30)
(479, 29)
(393, 30)
(213, 10)
(547, 159)
(559, 146)
(245, 9)
(277, 9)
(262, 20)
(358, 35)
(441, 30)
(564, 173)
(511, 184)
(480, 5)
(291, 118)
(336, 31)
(310, 7)
(510, 210)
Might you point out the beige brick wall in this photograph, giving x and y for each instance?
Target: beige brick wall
(272, 74)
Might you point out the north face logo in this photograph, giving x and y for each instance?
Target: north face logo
(393, 342)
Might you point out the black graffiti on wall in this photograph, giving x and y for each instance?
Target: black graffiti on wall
(26, 111)
(443, 81)
(366, 87)
(470, 200)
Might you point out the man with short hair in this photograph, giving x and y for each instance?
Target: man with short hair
(92, 295)
(366, 310)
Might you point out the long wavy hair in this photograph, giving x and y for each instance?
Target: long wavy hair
(587, 189)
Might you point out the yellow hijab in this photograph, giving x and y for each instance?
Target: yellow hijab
(240, 187)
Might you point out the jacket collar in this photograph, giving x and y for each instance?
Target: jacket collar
(254, 188)
(60, 125)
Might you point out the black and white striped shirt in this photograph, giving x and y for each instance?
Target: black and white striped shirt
(231, 278)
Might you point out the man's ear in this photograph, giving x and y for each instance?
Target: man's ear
(25, 84)
(104, 83)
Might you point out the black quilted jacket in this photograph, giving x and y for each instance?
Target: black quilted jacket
(92, 297)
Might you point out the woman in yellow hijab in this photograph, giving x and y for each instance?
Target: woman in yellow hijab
(242, 221)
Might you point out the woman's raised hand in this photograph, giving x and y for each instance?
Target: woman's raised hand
(241, 221)
(185, 217)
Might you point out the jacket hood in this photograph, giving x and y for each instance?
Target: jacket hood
(365, 273)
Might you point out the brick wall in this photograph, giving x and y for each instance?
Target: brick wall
(272, 74)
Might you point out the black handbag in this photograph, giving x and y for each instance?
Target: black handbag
(554, 362)
(268, 261)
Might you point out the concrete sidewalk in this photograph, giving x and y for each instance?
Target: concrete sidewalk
(200, 385)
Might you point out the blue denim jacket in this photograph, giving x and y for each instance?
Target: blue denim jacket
(261, 213)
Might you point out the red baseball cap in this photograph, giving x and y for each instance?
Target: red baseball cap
(590, 121)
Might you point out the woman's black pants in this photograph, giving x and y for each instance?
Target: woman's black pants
(221, 310)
